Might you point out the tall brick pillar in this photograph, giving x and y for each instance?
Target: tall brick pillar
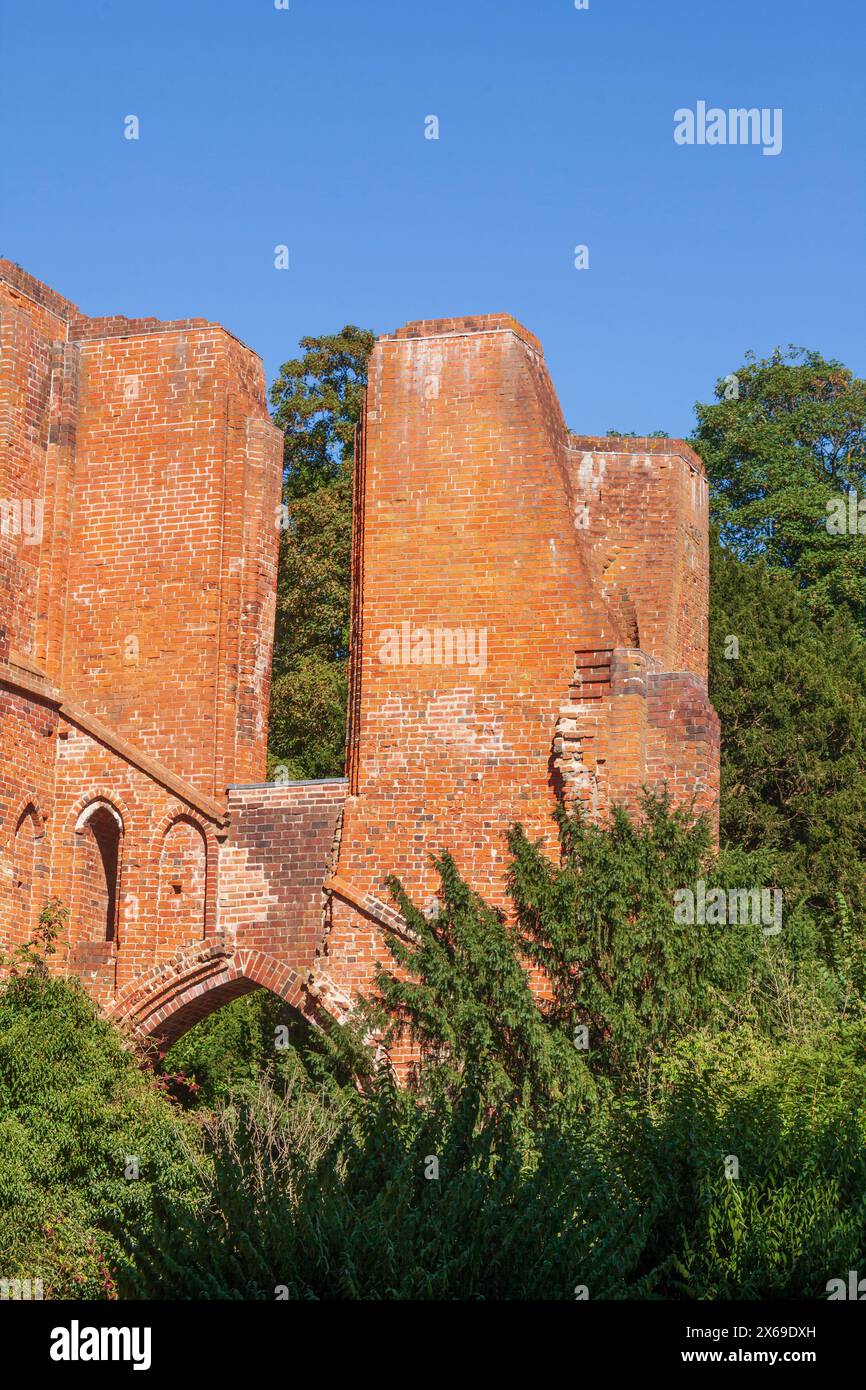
(575, 581)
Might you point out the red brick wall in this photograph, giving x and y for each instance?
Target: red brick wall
(466, 525)
(183, 872)
(54, 764)
(29, 334)
(26, 780)
(95, 877)
(274, 858)
(274, 865)
(149, 448)
(136, 630)
(529, 624)
(177, 499)
(643, 506)
(476, 510)
(25, 862)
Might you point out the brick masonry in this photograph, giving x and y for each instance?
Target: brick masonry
(529, 625)
(583, 562)
(139, 506)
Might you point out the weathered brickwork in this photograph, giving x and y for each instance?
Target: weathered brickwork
(529, 625)
(139, 506)
(581, 563)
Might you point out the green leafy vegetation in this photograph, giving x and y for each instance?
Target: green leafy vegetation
(88, 1140)
(317, 401)
(520, 1165)
(792, 705)
(785, 435)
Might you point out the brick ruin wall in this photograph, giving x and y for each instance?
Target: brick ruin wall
(529, 625)
(139, 498)
(580, 564)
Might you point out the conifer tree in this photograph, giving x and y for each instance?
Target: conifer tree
(790, 692)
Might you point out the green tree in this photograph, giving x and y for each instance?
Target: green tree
(461, 991)
(311, 644)
(631, 1200)
(317, 400)
(786, 435)
(522, 1165)
(257, 1034)
(600, 929)
(633, 434)
(790, 692)
(87, 1140)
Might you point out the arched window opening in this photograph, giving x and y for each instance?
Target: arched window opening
(27, 832)
(97, 864)
(182, 884)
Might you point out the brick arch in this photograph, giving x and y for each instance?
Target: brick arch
(181, 813)
(97, 867)
(25, 834)
(81, 931)
(183, 872)
(198, 981)
(28, 802)
(107, 794)
(164, 827)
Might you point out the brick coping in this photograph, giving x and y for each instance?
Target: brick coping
(639, 444)
(467, 325)
(299, 782)
(110, 325)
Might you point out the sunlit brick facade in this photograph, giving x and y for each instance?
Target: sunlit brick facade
(529, 626)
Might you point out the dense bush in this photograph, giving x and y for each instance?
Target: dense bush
(257, 1033)
(792, 1117)
(77, 1114)
(628, 1200)
(710, 1143)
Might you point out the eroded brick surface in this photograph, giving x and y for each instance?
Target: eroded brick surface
(139, 493)
(584, 562)
(529, 626)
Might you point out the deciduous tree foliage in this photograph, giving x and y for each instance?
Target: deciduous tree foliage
(311, 648)
(86, 1140)
(317, 401)
(785, 435)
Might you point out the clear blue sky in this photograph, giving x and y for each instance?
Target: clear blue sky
(306, 127)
